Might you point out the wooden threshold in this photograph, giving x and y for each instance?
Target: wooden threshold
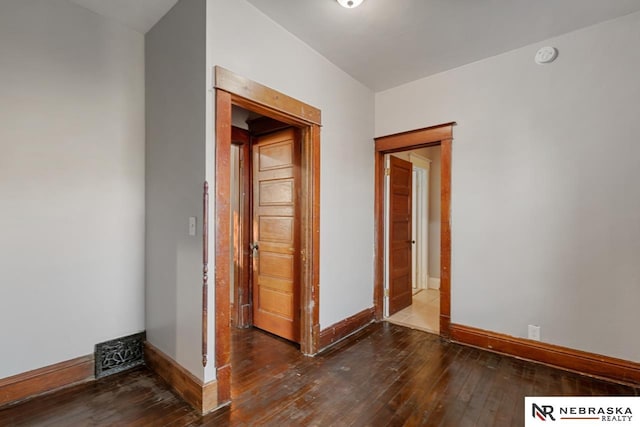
(34, 383)
(346, 327)
(202, 397)
(582, 362)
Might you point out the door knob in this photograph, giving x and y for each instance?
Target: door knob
(253, 246)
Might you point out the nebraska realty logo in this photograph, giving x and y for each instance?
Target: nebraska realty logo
(582, 411)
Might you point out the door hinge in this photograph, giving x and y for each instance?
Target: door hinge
(386, 293)
(387, 171)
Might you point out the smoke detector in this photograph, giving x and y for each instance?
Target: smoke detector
(350, 4)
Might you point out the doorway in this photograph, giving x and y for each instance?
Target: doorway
(265, 225)
(437, 136)
(234, 90)
(422, 310)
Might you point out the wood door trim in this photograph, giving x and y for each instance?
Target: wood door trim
(310, 218)
(263, 95)
(582, 362)
(239, 136)
(265, 104)
(445, 237)
(414, 138)
(431, 136)
(222, 253)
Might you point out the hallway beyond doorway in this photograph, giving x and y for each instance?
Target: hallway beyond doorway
(422, 314)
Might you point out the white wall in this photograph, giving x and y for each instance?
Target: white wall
(71, 182)
(545, 192)
(433, 153)
(175, 150)
(248, 43)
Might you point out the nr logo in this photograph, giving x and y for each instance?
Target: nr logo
(542, 412)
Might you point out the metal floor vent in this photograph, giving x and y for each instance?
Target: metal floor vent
(120, 354)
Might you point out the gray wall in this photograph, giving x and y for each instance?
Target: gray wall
(545, 194)
(175, 165)
(71, 182)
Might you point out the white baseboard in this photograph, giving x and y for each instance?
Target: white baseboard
(434, 283)
(422, 284)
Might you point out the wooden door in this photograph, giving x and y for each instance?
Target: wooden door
(400, 289)
(241, 186)
(276, 261)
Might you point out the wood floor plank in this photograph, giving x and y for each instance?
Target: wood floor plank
(384, 375)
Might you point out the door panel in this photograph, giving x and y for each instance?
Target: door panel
(241, 230)
(276, 264)
(277, 192)
(277, 156)
(276, 229)
(400, 288)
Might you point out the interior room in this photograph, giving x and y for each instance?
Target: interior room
(366, 212)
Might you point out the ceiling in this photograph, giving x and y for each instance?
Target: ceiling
(139, 15)
(385, 43)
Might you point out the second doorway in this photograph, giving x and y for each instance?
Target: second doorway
(412, 199)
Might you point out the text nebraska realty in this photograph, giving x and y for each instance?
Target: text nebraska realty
(606, 413)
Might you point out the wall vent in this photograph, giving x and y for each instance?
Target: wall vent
(120, 354)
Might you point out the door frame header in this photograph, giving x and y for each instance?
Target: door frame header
(264, 100)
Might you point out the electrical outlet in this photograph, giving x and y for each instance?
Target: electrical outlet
(534, 332)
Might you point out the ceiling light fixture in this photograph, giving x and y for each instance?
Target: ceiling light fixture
(350, 4)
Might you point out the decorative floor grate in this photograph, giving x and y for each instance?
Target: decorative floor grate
(119, 355)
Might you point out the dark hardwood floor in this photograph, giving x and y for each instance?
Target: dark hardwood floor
(386, 375)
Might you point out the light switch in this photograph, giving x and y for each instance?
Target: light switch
(192, 226)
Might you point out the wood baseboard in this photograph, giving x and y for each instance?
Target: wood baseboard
(346, 327)
(582, 362)
(203, 397)
(34, 383)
